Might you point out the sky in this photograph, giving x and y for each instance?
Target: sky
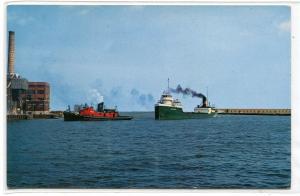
(125, 54)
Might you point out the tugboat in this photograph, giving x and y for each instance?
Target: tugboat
(169, 109)
(87, 113)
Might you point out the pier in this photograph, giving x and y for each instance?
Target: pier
(275, 112)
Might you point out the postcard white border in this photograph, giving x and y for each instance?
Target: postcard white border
(295, 102)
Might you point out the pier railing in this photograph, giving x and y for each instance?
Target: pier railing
(283, 112)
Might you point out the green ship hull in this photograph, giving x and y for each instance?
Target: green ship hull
(173, 113)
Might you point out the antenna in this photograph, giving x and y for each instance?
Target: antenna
(168, 86)
(207, 92)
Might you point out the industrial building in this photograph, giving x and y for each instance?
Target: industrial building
(37, 98)
(24, 97)
(16, 90)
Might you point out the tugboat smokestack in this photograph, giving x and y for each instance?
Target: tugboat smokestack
(100, 107)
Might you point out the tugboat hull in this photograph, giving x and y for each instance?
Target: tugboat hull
(89, 118)
(71, 116)
(173, 113)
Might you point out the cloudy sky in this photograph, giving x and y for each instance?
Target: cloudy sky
(127, 53)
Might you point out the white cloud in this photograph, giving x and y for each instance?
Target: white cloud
(285, 26)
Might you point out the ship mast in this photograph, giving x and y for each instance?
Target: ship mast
(207, 92)
(168, 87)
(207, 96)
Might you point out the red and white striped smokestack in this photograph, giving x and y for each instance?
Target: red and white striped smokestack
(11, 52)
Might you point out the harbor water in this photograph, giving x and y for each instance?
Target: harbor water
(237, 151)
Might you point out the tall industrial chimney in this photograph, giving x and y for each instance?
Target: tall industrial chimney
(11, 52)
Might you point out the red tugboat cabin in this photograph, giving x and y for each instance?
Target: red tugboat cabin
(90, 112)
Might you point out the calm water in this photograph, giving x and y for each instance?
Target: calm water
(222, 152)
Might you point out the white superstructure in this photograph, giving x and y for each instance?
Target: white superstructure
(204, 110)
(166, 99)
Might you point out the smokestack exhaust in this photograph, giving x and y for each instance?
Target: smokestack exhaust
(11, 52)
(188, 91)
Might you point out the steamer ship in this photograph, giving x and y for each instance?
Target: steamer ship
(169, 109)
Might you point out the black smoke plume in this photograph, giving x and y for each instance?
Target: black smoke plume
(188, 91)
(142, 99)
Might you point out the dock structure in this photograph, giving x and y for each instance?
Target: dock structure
(34, 116)
(18, 117)
(275, 112)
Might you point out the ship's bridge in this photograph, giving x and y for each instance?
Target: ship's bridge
(167, 100)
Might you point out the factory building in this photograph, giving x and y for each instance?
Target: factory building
(24, 97)
(16, 88)
(37, 98)
(16, 85)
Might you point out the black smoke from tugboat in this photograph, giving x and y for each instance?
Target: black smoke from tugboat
(188, 91)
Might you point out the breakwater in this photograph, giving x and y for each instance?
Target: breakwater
(276, 112)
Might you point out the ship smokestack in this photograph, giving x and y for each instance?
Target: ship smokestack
(204, 102)
(11, 52)
(100, 107)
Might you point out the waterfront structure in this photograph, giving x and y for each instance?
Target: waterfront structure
(16, 88)
(37, 98)
(16, 85)
(251, 111)
(24, 97)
